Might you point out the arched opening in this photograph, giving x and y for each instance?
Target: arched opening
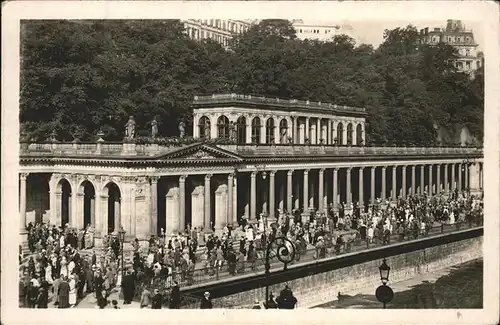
(256, 126)
(37, 198)
(204, 127)
(270, 130)
(359, 135)
(283, 131)
(63, 194)
(114, 207)
(349, 134)
(241, 129)
(88, 191)
(223, 127)
(340, 134)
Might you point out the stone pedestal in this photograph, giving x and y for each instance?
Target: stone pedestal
(172, 210)
(220, 207)
(197, 206)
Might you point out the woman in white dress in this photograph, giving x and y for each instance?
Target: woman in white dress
(72, 291)
(64, 267)
(48, 274)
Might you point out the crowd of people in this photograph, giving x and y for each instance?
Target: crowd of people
(57, 270)
(158, 267)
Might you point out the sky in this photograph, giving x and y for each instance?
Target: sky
(371, 32)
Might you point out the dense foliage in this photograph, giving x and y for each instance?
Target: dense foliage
(81, 77)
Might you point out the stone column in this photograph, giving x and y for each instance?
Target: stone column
(230, 180)
(394, 183)
(446, 185)
(413, 180)
(312, 193)
(320, 188)
(372, 185)
(74, 218)
(281, 194)
(384, 182)
(263, 130)
(466, 183)
(430, 180)
(438, 179)
(154, 205)
(118, 213)
(422, 179)
(289, 195)
(248, 128)
(306, 190)
(207, 201)
(235, 200)
(52, 199)
(272, 200)
(79, 207)
(318, 130)
(344, 132)
(403, 174)
(295, 132)
(296, 195)
(213, 128)
(182, 202)
(348, 188)
(360, 188)
(460, 177)
(335, 189)
(221, 206)
(22, 199)
(307, 133)
(453, 184)
(253, 195)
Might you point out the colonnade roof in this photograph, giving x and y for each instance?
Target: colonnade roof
(262, 102)
(203, 153)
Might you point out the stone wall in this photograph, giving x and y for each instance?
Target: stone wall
(320, 288)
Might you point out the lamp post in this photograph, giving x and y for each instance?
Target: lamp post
(122, 232)
(384, 293)
(283, 249)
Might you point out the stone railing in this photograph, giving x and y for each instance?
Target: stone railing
(103, 148)
(289, 103)
(277, 150)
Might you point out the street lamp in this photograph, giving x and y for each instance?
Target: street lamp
(284, 250)
(122, 232)
(384, 293)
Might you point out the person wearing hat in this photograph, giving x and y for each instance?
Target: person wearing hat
(206, 302)
(145, 298)
(175, 297)
(128, 287)
(271, 303)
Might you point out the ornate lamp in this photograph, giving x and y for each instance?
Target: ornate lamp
(384, 270)
(122, 233)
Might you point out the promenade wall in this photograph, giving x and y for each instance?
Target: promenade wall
(315, 283)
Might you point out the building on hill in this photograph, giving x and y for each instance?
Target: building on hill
(218, 30)
(456, 35)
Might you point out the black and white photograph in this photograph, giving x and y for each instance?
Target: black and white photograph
(204, 162)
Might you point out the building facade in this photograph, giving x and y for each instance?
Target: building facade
(218, 30)
(213, 182)
(320, 32)
(456, 35)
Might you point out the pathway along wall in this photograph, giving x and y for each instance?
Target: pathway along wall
(323, 287)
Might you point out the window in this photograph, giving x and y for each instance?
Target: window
(223, 127)
(204, 127)
(359, 134)
(283, 131)
(340, 134)
(349, 134)
(270, 130)
(241, 129)
(256, 126)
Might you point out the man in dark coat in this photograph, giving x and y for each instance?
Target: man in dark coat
(42, 298)
(286, 300)
(64, 293)
(157, 300)
(206, 302)
(128, 285)
(271, 304)
(175, 297)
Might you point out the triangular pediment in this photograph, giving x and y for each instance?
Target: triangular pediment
(201, 152)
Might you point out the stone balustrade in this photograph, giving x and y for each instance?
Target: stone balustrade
(133, 149)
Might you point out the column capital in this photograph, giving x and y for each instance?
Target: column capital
(403, 167)
(23, 176)
(272, 173)
(230, 175)
(348, 169)
(290, 172)
(208, 176)
(306, 171)
(253, 174)
(154, 179)
(182, 178)
(384, 168)
(322, 170)
(361, 168)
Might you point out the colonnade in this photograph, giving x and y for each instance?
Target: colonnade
(144, 205)
(274, 129)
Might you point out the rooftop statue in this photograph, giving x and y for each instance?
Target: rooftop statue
(182, 129)
(154, 128)
(130, 128)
